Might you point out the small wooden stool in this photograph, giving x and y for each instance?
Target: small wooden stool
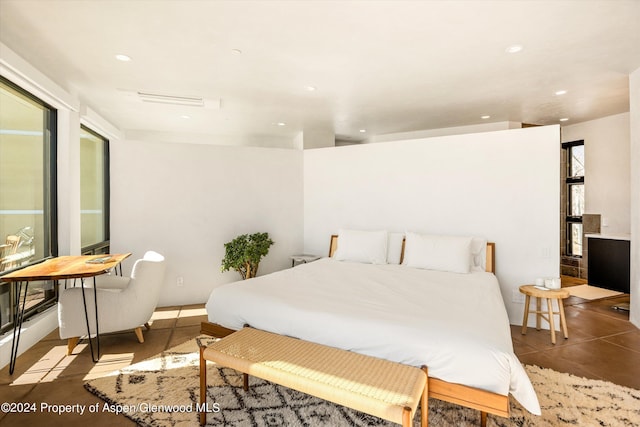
(549, 295)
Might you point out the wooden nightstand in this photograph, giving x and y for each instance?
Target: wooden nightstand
(549, 294)
(303, 259)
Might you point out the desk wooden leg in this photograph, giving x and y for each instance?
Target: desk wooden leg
(563, 319)
(527, 300)
(551, 325)
(538, 310)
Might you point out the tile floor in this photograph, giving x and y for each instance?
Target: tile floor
(44, 374)
(602, 344)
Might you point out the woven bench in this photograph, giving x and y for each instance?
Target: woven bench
(378, 387)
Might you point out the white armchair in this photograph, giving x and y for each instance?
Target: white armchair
(123, 302)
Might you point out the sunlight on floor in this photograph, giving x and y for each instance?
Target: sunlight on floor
(49, 367)
(52, 365)
(162, 315)
(109, 363)
(192, 312)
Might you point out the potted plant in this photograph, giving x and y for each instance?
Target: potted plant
(244, 253)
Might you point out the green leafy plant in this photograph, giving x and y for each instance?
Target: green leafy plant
(244, 253)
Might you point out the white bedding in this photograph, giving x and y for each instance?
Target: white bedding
(455, 324)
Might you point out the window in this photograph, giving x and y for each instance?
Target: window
(575, 196)
(94, 192)
(27, 194)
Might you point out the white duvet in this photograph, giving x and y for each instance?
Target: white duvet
(455, 324)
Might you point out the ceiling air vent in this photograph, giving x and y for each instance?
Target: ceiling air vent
(159, 98)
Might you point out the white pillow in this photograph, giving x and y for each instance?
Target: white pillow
(394, 248)
(443, 253)
(362, 246)
(478, 254)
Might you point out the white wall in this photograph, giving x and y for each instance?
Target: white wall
(456, 130)
(502, 185)
(186, 200)
(607, 169)
(634, 101)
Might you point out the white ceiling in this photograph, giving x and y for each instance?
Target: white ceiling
(383, 66)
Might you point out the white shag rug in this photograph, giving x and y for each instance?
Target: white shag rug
(164, 391)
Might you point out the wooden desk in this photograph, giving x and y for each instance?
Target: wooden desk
(58, 268)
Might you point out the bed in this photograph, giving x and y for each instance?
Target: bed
(454, 323)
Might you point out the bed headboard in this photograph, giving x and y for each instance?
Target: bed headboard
(491, 252)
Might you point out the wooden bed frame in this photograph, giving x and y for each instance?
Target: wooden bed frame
(474, 398)
(491, 250)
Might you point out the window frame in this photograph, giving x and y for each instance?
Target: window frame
(50, 209)
(104, 246)
(571, 181)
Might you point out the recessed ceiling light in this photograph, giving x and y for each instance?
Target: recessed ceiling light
(560, 92)
(564, 119)
(184, 116)
(236, 51)
(123, 58)
(311, 88)
(485, 117)
(362, 130)
(281, 124)
(514, 48)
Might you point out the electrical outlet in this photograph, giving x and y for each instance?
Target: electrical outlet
(517, 297)
(180, 281)
(546, 252)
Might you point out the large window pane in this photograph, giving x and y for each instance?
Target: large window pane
(576, 161)
(94, 200)
(22, 167)
(27, 194)
(575, 239)
(576, 194)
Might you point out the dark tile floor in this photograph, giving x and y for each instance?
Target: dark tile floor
(602, 344)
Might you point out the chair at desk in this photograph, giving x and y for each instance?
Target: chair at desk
(123, 302)
(8, 251)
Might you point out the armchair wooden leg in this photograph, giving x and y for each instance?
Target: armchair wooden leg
(71, 344)
(146, 325)
(138, 332)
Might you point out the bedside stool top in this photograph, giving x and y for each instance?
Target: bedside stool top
(533, 291)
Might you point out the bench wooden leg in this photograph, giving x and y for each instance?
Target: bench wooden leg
(483, 419)
(424, 402)
(245, 382)
(406, 417)
(203, 386)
